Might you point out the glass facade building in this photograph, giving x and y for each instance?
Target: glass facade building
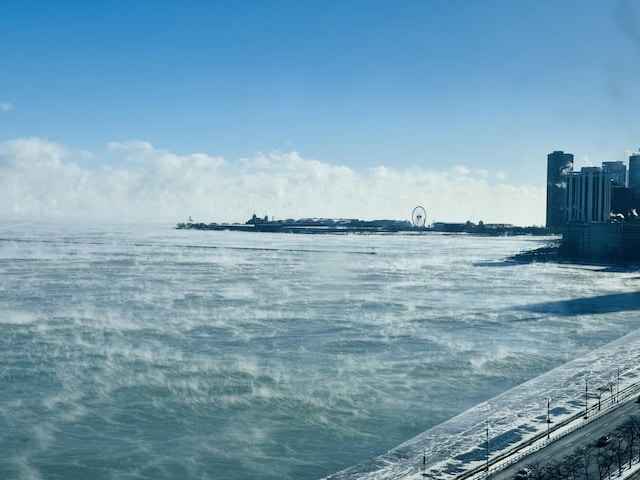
(559, 166)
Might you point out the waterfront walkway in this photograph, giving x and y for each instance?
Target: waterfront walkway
(580, 430)
(515, 423)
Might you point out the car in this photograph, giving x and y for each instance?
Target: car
(523, 474)
(602, 441)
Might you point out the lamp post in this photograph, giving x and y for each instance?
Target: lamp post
(487, 468)
(424, 464)
(611, 391)
(586, 401)
(618, 388)
(548, 415)
(600, 392)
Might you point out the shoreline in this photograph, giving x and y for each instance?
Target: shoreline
(552, 253)
(456, 446)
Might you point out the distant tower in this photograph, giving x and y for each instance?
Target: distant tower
(634, 171)
(559, 166)
(618, 171)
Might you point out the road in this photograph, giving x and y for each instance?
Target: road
(588, 434)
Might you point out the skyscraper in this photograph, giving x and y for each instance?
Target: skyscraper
(559, 165)
(618, 171)
(634, 171)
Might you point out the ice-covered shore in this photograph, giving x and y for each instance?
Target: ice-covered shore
(519, 414)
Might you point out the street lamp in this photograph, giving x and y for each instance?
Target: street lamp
(600, 392)
(548, 415)
(487, 422)
(424, 464)
(611, 391)
(586, 401)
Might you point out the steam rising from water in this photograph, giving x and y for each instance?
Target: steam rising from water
(155, 353)
(40, 179)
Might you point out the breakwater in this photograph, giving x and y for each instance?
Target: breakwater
(341, 225)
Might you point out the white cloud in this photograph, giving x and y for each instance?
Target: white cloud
(40, 180)
(462, 170)
(5, 106)
(134, 145)
(32, 152)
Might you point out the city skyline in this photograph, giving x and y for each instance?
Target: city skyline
(590, 194)
(220, 110)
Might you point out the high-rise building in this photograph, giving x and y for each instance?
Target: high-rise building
(589, 196)
(623, 202)
(634, 171)
(559, 166)
(618, 171)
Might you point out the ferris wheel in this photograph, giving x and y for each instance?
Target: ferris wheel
(419, 217)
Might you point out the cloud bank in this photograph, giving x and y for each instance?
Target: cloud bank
(133, 181)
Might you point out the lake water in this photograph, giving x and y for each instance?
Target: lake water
(145, 352)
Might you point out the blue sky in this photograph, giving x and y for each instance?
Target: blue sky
(426, 91)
